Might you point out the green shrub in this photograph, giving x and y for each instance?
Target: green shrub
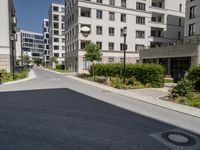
(192, 99)
(60, 67)
(194, 76)
(151, 74)
(117, 83)
(183, 88)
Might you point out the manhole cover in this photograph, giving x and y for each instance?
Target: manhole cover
(177, 138)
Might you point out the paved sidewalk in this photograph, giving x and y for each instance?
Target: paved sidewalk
(68, 73)
(145, 97)
(30, 77)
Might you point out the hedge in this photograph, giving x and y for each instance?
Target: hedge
(194, 76)
(152, 74)
(60, 67)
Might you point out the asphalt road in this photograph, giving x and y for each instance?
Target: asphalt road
(54, 112)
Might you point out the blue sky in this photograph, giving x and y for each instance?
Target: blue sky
(30, 13)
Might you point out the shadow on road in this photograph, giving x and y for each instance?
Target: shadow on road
(58, 119)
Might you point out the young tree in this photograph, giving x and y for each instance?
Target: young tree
(53, 60)
(26, 59)
(92, 53)
(37, 61)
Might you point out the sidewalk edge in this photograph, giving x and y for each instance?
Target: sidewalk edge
(192, 111)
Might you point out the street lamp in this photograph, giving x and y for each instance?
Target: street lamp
(12, 38)
(125, 48)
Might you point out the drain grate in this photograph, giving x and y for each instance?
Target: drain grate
(178, 139)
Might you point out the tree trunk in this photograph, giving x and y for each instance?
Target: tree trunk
(93, 70)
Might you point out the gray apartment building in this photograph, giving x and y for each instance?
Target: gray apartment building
(46, 42)
(178, 58)
(7, 35)
(57, 32)
(31, 44)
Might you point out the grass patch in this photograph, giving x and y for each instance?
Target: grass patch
(8, 77)
(192, 99)
(168, 80)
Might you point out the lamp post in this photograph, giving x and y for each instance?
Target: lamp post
(125, 48)
(13, 56)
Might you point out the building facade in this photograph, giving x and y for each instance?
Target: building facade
(56, 32)
(179, 58)
(192, 26)
(7, 35)
(46, 42)
(18, 44)
(149, 23)
(32, 44)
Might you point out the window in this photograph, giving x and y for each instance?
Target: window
(84, 43)
(55, 17)
(111, 60)
(99, 30)
(112, 2)
(122, 47)
(111, 46)
(56, 47)
(122, 32)
(121, 60)
(139, 47)
(56, 39)
(179, 35)
(179, 21)
(123, 17)
(123, 3)
(140, 20)
(99, 44)
(99, 14)
(86, 64)
(192, 12)
(56, 54)
(111, 31)
(99, 1)
(192, 29)
(180, 7)
(111, 16)
(140, 6)
(140, 34)
(55, 8)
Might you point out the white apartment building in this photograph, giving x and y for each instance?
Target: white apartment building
(150, 23)
(46, 41)
(192, 26)
(18, 44)
(56, 32)
(31, 44)
(7, 35)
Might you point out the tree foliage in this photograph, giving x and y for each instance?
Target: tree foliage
(92, 52)
(26, 59)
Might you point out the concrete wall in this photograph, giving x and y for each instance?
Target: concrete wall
(184, 50)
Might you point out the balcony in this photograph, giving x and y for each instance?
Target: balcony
(158, 20)
(85, 12)
(158, 4)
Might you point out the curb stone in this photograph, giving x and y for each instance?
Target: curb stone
(31, 76)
